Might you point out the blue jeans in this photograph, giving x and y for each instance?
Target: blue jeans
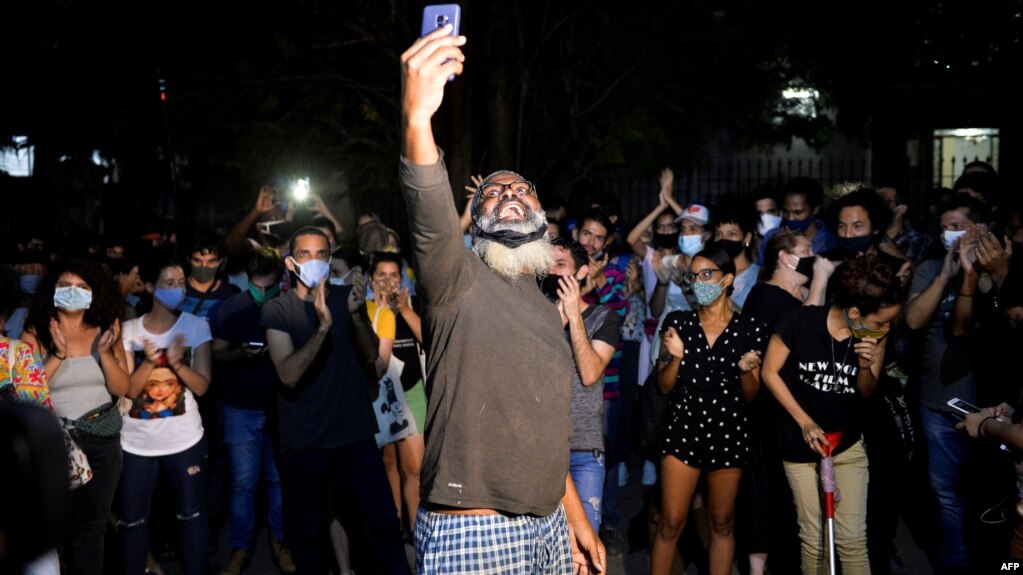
(359, 469)
(587, 471)
(612, 429)
(946, 450)
(184, 473)
(250, 456)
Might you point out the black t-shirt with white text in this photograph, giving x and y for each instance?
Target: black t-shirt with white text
(821, 374)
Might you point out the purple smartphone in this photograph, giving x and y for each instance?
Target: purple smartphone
(440, 15)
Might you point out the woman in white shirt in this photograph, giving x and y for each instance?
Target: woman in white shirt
(170, 352)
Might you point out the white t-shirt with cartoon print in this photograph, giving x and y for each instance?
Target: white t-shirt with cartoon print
(164, 418)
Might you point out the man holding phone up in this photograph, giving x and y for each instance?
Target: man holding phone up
(496, 494)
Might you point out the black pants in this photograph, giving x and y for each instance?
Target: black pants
(82, 552)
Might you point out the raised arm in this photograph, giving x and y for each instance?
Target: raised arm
(236, 239)
(591, 356)
(291, 364)
(920, 306)
(425, 69)
(634, 239)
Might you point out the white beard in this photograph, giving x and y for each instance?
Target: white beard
(534, 258)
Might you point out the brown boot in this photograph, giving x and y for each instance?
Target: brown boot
(239, 560)
(282, 556)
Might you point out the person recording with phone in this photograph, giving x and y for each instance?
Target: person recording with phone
(947, 303)
(248, 385)
(486, 326)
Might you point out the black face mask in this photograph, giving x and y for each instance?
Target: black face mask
(665, 241)
(805, 267)
(511, 238)
(852, 247)
(732, 247)
(549, 285)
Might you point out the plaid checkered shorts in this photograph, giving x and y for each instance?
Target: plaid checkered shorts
(493, 544)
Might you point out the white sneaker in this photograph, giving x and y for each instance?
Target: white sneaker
(623, 474)
(649, 473)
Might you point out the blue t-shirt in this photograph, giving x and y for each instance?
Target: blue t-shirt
(204, 308)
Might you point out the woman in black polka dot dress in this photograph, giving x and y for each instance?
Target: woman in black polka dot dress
(711, 367)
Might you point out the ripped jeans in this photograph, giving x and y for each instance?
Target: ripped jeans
(184, 473)
(587, 470)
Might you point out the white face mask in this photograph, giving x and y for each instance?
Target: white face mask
(948, 237)
(767, 223)
(72, 298)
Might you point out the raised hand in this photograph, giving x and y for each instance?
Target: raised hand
(404, 301)
(176, 352)
(477, 181)
(868, 351)
(59, 341)
(568, 295)
(993, 255)
(150, 350)
(950, 266)
(265, 200)
(318, 206)
(357, 297)
(108, 338)
(320, 304)
(667, 180)
(425, 69)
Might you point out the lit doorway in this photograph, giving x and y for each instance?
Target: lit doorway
(955, 148)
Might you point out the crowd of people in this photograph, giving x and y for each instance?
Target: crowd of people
(485, 397)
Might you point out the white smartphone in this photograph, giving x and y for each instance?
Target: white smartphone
(962, 407)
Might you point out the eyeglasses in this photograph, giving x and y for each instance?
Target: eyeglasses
(704, 275)
(520, 187)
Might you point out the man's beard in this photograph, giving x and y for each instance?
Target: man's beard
(533, 258)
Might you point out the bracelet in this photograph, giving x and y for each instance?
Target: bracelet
(980, 428)
(58, 357)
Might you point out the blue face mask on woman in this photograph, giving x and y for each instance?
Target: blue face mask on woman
(170, 298)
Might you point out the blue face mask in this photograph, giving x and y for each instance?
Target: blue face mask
(312, 272)
(170, 298)
(72, 298)
(707, 292)
(797, 225)
(690, 245)
(29, 284)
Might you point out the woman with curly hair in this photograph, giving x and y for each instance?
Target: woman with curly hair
(74, 326)
(818, 362)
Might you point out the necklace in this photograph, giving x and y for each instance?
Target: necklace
(834, 364)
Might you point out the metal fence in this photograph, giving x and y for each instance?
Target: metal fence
(722, 183)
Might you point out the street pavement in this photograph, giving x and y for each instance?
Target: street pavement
(634, 563)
